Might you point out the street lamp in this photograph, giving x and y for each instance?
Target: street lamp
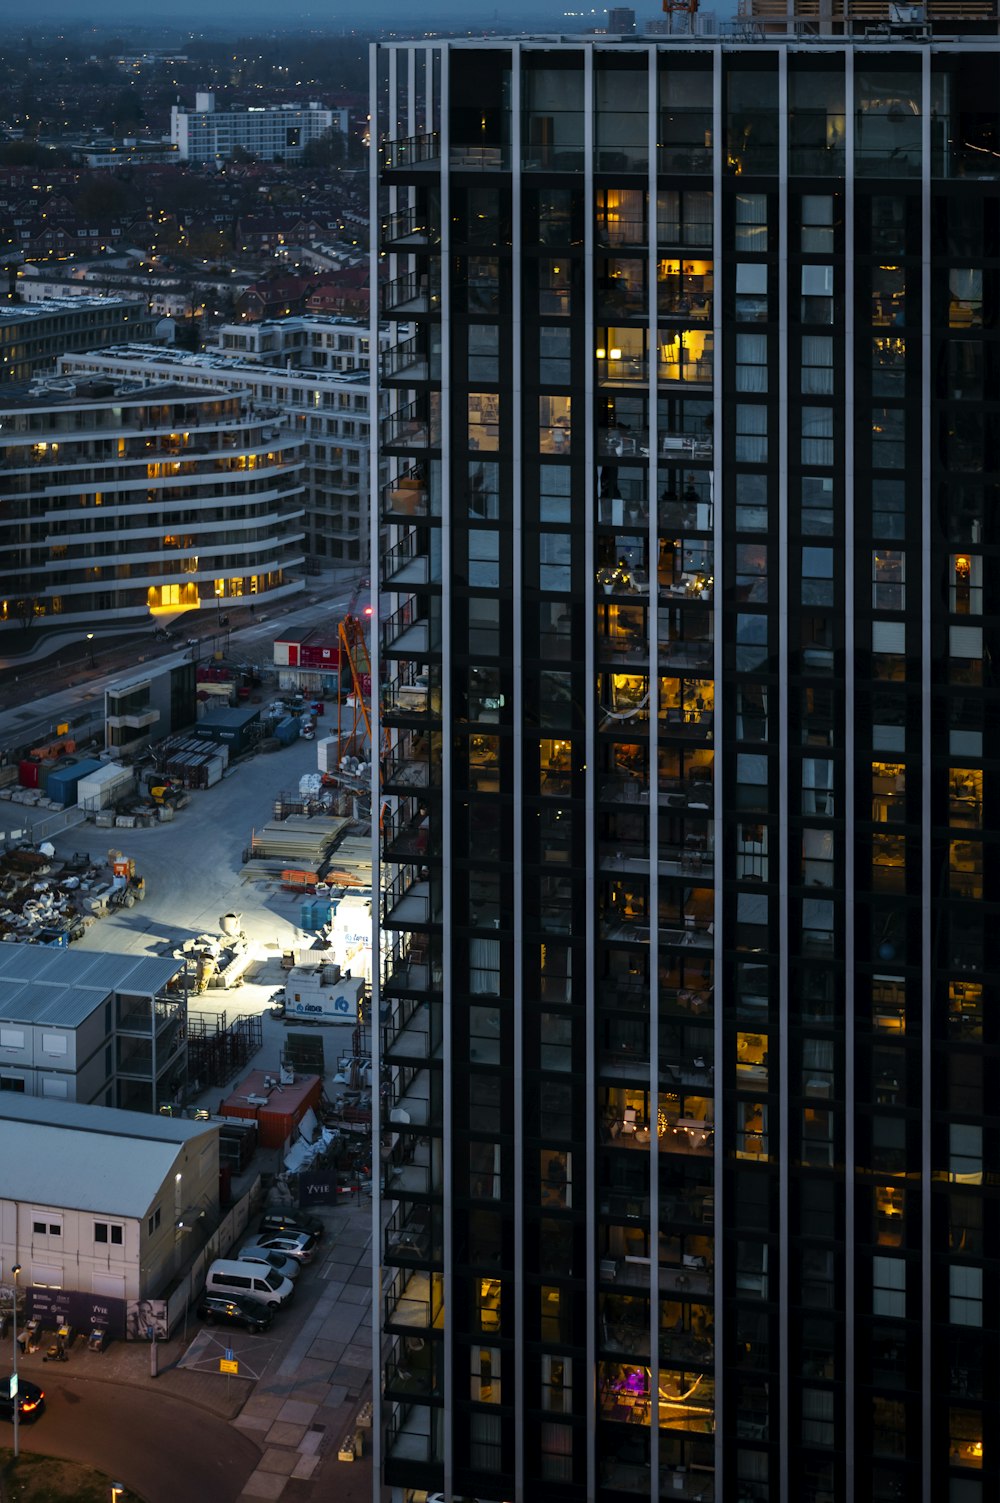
(15, 1396)
(90, 644)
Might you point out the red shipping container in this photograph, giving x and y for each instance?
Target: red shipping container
(278, 1113)
(28, 773)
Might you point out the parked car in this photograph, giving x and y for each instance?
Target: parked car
(298, 1245)
(234, 1310)
(30, 1399)
(288, 1268)
(291, 1221)
(229, 1277)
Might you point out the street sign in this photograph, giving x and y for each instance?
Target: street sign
(225, 1366)
(12, 1394)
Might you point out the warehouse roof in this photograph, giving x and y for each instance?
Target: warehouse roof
(88, 1158)
(44, 984)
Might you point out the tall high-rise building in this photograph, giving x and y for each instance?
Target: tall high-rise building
(686, 663)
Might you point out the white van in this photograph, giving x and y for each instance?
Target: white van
(230, 1276)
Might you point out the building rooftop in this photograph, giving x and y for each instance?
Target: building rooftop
(154, 354)
(42, 984)
(58, 391)
(87, 1158)
(255, 1090)
(50, 307)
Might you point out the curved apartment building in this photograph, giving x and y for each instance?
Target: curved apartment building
(118, 501)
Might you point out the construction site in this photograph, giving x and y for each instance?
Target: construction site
(261, 884)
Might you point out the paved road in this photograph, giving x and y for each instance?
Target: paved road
(35, 708)
(163, 1448)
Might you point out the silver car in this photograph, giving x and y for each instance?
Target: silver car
(288, 1268)
(297, 1245)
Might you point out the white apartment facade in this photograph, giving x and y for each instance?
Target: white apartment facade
(274, 132)
(128, 500)
(324, 400)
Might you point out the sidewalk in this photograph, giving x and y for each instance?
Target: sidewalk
(307, 1401)
(307, 1397)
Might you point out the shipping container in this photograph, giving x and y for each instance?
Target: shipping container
(105, 786)
(237, 728)
(63, 783)
(277, 1113)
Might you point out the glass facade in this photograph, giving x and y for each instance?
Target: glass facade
(685, 662)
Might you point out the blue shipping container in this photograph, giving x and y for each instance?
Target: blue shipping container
(62, 782)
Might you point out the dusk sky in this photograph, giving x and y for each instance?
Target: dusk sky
(244, 14)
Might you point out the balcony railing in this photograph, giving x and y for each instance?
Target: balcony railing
(409, 494)
(416, 426)
(411, 1030)
(412, 293)
(410, 227)
(407, 361)
(480, 158)
(406, 634)
(411, 151)
(408, 563)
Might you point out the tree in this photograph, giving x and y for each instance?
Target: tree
(325, 151)
(24, 610)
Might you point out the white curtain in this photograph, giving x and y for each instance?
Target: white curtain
(484, 966)
(751, 362)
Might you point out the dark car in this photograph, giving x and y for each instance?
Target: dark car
(291, 1221)
(233, 1310)
(30, 1399)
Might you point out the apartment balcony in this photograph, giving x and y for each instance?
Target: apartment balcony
(634, 444)
(409, 899)
(411, 1031)
(695, 858)
(687, 1002)
(409, 565)
(616, 229)
(413, 1232)
(414, 292)
(671, 793)
(408, 152)
(414, 1300)
(413, 1436)
(409, 770)
(411, 635)
(409, 495)
(633, 1272)
(409, 229)
(413, 1373)
(409, 362)
(624, 641)
(408, 695)
(419, 1174)
(624, 1338)
(676, 724)
(417, 426)
(479, 158)
(622, 928)
(415, 1101)
(683, 515)
(675, 1482)
(407, 834)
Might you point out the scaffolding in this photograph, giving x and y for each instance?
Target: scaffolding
(217, 1049)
